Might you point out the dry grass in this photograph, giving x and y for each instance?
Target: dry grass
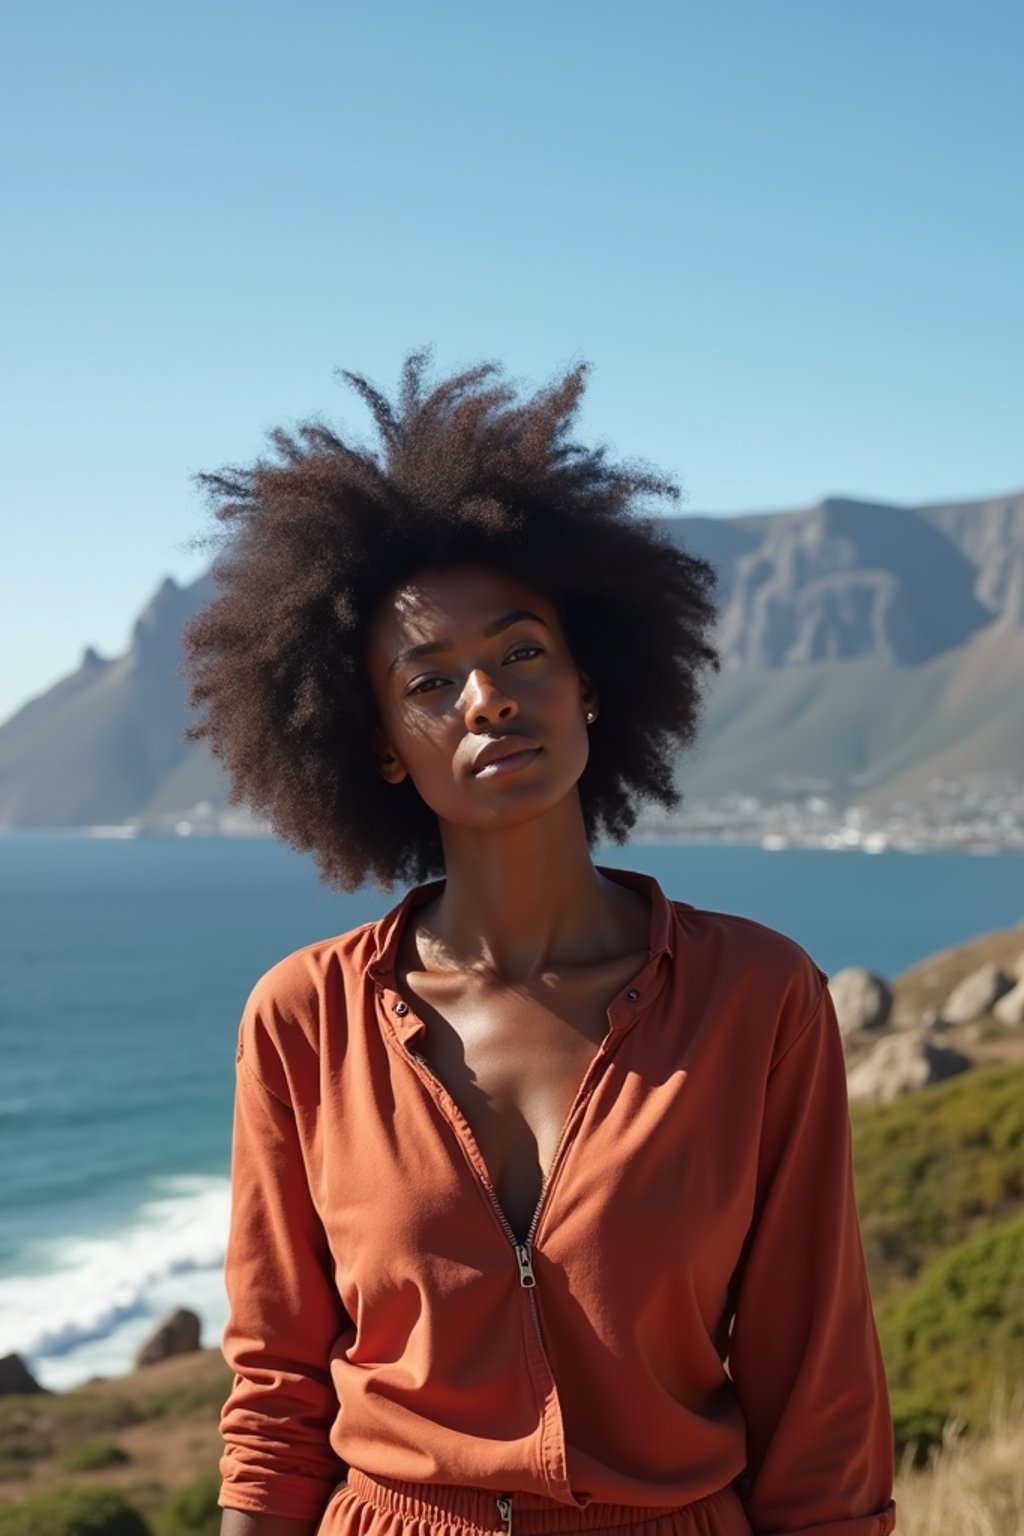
(163, 1418)
(929, 983)
(970, 1487)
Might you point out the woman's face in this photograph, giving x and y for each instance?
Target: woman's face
(480, 703)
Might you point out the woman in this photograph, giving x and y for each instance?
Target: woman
(543, 1217)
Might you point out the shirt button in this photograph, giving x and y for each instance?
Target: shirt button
(401, 1007)
(632, 994)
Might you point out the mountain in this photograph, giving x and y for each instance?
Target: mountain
(865, 730)
(867, 649)
(991, 535)
(98, 746)
(849, 579)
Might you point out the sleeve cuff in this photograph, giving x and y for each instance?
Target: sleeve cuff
(289, 1497)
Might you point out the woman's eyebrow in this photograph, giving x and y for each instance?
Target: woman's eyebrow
(510, 619)
(435, 647)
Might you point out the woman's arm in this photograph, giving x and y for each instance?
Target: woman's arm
(286, 1319)
(804, 1354)
(235, 1523)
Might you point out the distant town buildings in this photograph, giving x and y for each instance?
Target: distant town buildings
(980, 814)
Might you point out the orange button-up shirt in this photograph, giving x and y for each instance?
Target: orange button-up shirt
(691, 1309)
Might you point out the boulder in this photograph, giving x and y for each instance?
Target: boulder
(902, 1063)
(175, 1334)
(862, 999)
(976, 994)
(1009, 1009)
(1016, 967)
(15, 1377)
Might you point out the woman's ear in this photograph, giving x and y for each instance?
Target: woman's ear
(389, 764)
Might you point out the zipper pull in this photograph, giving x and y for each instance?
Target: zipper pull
(505, 1511)
(527, 1278)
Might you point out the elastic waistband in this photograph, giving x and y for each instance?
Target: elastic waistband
(531, 1513)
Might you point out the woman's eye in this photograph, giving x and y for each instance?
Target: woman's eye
(422, 685)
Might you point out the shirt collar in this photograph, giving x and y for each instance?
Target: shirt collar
(389, 928)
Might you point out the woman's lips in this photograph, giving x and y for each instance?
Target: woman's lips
(510, 764)
(507, 753)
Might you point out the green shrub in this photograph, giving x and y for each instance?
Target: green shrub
(73, 1512)
(185, 1397)
(916, 1422)
(959, 1334)
(191, 1511)
(90, 1455)
(936, 1166)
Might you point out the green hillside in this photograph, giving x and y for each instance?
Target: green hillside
(936, 1166)
(870, 728)
(959, 1334)
(940, 1188)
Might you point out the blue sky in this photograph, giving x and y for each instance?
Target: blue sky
(787, 236)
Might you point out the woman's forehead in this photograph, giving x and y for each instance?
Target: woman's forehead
(438, 602)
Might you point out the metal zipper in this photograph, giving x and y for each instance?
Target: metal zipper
(505, 1511)
(527, 1278)
(524, 1260)
(582, 1094)
(523, 1256)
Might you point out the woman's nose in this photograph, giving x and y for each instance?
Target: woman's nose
(484, 703)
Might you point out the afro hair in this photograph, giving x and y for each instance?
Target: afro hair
(316, 537)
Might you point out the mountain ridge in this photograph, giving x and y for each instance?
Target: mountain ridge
(865, 646)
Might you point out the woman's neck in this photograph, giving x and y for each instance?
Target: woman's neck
(527, 898)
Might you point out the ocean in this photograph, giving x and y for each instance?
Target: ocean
(124, 966)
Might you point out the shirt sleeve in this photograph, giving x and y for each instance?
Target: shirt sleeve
(285, 1316)
(804, 1355)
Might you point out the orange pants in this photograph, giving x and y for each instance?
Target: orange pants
(379, 1506)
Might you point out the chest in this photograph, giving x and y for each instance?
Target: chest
(653, 1185)
(513, 1060)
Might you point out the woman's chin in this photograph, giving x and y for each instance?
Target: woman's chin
(516, 805)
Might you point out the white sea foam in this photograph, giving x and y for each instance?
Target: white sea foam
(87, 1310)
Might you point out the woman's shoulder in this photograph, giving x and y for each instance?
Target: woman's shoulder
(299, 1001)
(707, 940)
(743, 937)
(297, 978)
(763, 972)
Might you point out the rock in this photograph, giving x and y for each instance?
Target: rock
(901, 1064)
(976, 994)
(1016, 968)
(1009, 1009)
(862, 1000)
(933, 1020)
(175, 1334)
(15, 1377)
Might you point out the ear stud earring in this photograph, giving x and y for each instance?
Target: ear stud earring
(591, 716)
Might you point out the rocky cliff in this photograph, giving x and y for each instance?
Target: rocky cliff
(866, 649)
